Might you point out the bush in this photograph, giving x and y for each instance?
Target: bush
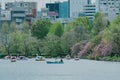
(108, 58)
(2, 55)
(114, 58)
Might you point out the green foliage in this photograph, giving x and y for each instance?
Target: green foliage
(56, 29)
(30, 46)
(93, 57)
(109, 58)
(13, 27)
(41, 28)
(96, 40)
(100, 23)
(5, 29)
(2, 48)
(67, 41)
(52, 46)
(4, 35)
(45, 38)
(116, 21)
(25, 27)
(112, 36)
(81, 21)
(17, 39)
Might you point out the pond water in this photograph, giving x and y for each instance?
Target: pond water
(70, 70)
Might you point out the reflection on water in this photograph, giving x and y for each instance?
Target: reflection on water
(70, 70)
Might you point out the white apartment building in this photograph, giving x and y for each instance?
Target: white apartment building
(89, 11)
(110, 8)
(76, 7)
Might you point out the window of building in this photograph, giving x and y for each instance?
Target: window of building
(25, 4)
(117, 13)
(104, 3)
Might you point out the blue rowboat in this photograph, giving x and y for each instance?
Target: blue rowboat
(55, 62)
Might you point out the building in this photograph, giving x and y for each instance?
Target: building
(76, 7)
(0, 14)
(18, 15)
(110, 8)
(58, 9)
(53, 9)
(89, 11)
(22, 11)
(0, 7)
(5, 15)
(44, 12)
(64, 10)
(38, 14)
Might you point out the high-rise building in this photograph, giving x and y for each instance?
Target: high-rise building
(44, 13)
(0, 14)
(110, 8)
(0, 6)
(22, 11)
(5, 15)
(89, 1)
(29, 7)
(63, 10)
(0, 9)
(76, 7)
(89, 11)
(58, 9)
(53, 9)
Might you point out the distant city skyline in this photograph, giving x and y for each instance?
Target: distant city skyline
(40, 3)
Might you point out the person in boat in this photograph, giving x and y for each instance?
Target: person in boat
(61, 60)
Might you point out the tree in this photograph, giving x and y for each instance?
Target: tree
(30, 46)
(16, 39)
(100, 23)
(67, 41)
(75, 49)
(56, 29)
(4, 33)
(81, 21)
(13, 27)
(107, 43)
(52, 46)
(41, 28)
(25, 27)
(76, 35)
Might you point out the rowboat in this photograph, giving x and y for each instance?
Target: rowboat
(13, 59)
(68, 57)
(54, 62)
(40, 58)
(76, 58)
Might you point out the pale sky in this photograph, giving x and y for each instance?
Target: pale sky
(40, 3)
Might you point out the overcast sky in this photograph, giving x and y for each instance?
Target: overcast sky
(40, 3)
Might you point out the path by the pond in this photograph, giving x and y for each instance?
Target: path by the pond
(70, 70)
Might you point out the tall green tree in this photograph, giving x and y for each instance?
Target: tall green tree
(25, 27)
(4, 33)
(13, 27)
(111, 35)
(81, 21)
(100, 23)
(16, 40)
(56, 29)
(29, 45)
(69, 39)
(52, 46)
(41, 28)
